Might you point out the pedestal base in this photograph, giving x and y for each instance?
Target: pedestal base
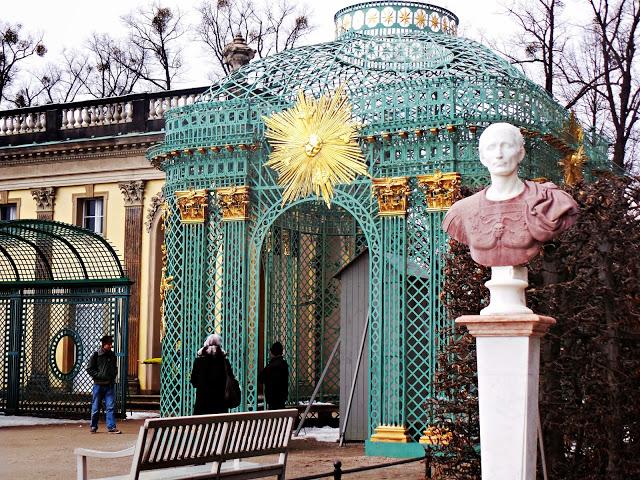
(435, 436)
(393, 449)
(506, 289)
(390, 433)
(508, 350)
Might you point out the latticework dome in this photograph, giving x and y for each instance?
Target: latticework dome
(404, 69)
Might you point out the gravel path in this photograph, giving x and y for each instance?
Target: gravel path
(46, 452)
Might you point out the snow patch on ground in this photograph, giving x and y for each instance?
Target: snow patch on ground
(142, 415)
(20, 421)
(324, 434)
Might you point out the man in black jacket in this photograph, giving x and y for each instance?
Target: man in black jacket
(103, 369)
(275, 377)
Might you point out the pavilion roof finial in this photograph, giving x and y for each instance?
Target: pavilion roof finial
(237, 53)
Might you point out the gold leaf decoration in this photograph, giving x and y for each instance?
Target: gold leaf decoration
(574, 160)
(315, 146)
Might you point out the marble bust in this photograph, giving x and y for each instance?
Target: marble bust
(506, 223)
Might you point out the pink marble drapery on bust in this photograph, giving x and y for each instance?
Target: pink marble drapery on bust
(510, 232)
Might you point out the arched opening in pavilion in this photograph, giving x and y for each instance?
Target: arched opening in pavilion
(304, 250)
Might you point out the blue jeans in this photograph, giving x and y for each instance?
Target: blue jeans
(106, 392)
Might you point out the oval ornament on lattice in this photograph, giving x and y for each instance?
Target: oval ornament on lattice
(388, 16)
(373, 17)
(405, 17)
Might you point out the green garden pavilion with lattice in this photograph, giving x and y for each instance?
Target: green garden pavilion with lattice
(242, 263)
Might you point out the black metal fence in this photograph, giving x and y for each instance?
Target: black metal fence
(338, 471)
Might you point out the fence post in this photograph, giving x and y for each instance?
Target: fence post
(337, 470)
(427, 463)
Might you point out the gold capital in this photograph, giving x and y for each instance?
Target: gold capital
(192, 205)
(234, 202)
(391, 194)
(440, 189)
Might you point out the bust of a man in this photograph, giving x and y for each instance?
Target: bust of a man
(505, 224)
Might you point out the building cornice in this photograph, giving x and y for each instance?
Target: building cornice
(79, 149)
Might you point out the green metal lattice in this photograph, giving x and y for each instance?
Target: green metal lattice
(423, 96)
(61, 289)
(305, 248)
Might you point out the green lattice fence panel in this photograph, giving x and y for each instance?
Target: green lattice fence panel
(214, 279)
(6, 352)
(235, 333)
(53, 332)
(426, 318)
(392, 361)
(171, 385)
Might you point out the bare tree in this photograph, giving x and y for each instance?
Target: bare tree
(540, 40)
(112, 67)
(593, 69)
(15, 46)
(155, 34)
(268, 30)
(616, 26)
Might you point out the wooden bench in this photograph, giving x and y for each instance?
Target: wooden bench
(205, 446)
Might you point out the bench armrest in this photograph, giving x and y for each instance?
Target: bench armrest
(86, 452)
(83, 453)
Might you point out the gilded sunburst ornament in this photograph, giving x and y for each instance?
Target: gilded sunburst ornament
(315, 146)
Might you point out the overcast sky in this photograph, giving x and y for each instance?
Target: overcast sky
(68, 23)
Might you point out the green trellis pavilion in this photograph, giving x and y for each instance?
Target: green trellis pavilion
(242, 263)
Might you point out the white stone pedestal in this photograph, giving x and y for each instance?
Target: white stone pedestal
(506, 289)
(508, 349)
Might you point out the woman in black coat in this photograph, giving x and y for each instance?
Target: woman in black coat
(208, 376)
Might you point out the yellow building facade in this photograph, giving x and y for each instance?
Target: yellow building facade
(84, 164)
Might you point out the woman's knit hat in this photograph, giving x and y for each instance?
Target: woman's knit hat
(211, 345)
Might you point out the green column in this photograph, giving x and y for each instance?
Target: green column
(390, 362)
(236, 332)
(185, 236)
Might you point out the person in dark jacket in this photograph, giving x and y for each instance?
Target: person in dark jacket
(275, 377)
(209, 377)
(103, 368)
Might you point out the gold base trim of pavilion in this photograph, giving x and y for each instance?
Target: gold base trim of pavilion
(391, 433)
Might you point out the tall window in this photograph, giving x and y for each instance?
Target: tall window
(92, 214)
(9, 211)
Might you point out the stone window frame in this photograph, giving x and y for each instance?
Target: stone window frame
(5, 199)
(78, 198)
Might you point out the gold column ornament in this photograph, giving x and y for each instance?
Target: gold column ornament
(436, 436)
(234, 202)
(192, 205)
(391, 194)
(315, 146)
(440, 189)
(391, 433)
(166, 283)
(574, 160)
